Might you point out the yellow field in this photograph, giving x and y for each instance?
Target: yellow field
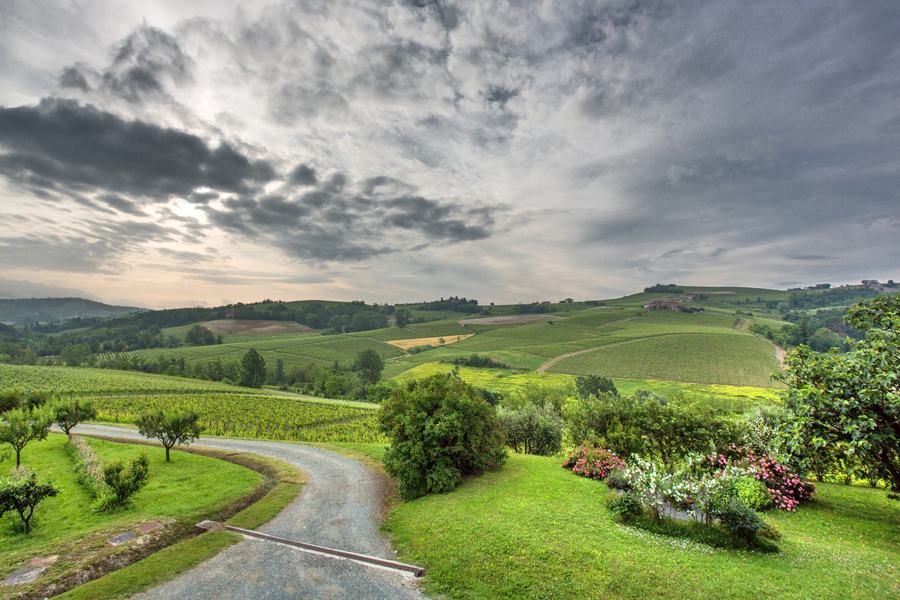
(433, 341)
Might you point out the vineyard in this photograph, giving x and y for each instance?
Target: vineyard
(121, 396)
(257, 416)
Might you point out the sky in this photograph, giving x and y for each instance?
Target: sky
(165, 153)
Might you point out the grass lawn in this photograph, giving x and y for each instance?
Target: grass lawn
(190, 488)
(534, 530)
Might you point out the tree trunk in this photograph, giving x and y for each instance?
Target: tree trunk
(167, 453)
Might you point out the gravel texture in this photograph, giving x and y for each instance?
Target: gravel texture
(338, 508)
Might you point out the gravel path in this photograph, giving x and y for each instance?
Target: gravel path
(337, 508)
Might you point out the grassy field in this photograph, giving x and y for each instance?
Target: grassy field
(505, 381)
(534, 530)
(714, 358)
(191, 487)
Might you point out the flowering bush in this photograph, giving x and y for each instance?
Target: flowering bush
(786, 489)
(593, 461)
(88, 467)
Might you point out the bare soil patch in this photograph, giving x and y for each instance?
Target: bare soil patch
(433, 341)
(238, 327)
(507, 320)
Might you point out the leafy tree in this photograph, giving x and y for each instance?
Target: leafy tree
(369, 365)
(532, 429)
(180, 428)
(594, 385)
(19, 426)
(125, 482)
(402, 317)
(22, 493)
(68, 414)
(278, 374)
(440, 430)
(852, 401)
(253, 369)
(198, 335)
(9, 400)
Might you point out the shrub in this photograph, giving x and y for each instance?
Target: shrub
(616, 480)
(440, 430)
(625, 506)
(741, 520)
(88, 467)
(786, 489)
(532, 429)
(754, 493)
(593, 461)
(124, 482)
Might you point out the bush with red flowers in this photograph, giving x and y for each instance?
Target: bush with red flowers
(592, 460)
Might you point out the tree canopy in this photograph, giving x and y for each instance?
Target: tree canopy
(851, 402)
(180, 428)
(369, 365)
(253, 369)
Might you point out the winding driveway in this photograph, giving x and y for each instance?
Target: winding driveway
(338, 508)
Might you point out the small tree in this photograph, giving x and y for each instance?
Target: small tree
(253, 369)
(369, 365)
(440, 430)
(68, 414)
(180, 428)
(594, 385)
(851, 401)
(19, 426)
(22, 493)
(125, 482)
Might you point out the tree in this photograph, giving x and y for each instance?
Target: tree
(851, 401)
(180, 428)
(68, 414)
(278, 374)
(369, 365)
(198, 335)
(253, 369)
(125, 482)
(402, 316)
(19, 426)
(440, 430)
(22, 493)
(594, 385)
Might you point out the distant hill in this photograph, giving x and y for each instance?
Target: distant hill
(45, 310)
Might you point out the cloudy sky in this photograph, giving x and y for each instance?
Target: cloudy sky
(164, 153)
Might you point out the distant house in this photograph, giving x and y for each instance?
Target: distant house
(690, 297)
(567, 301)
(870, 282)
(546, 302)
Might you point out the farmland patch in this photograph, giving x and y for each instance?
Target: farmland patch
(507, 320)
(432, 341)
(239, 327)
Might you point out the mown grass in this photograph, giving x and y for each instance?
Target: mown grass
(283, 482)
(695, 358)
(189, 487)
(534, 530)
(504, 381)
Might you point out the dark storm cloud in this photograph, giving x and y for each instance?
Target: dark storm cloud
(303, 175)
(332, 223)
(81, 148)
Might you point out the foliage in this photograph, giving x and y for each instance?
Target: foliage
(178, 428)
(786, 489)
(440, 430)
(532, 429)
(253, 369)
(88, 467)
(20, 492)
(20, 426)
(69, 413)
(198, 335)
(593, 461)
(626, 506)
(668, 288)
(753, 493)
(852, 401)
(124, 482)
(741, 520)
(593, 385)
(647, 424)
(477, 361)
(369, 365)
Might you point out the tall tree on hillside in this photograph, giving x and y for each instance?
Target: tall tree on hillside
(253, 369)
(369, 365)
